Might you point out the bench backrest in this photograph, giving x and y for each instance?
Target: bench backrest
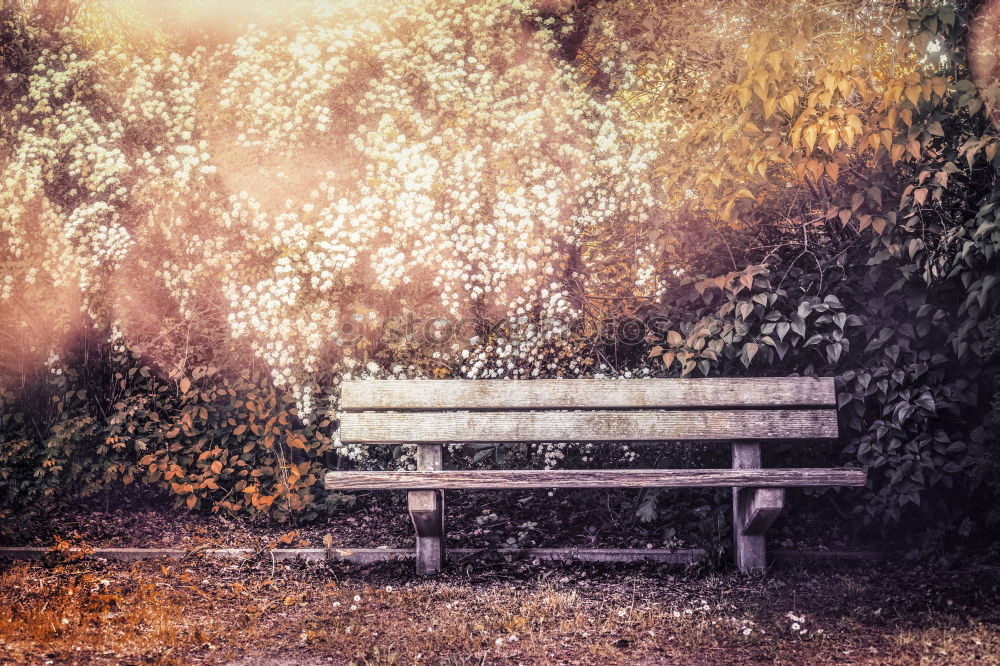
(574, 410)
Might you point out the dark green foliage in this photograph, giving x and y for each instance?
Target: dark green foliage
(903, 313)
(214, 442)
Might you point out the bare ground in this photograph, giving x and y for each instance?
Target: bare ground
(260, 612)
(69, 610)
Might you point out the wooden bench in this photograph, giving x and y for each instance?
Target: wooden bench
(740, 412)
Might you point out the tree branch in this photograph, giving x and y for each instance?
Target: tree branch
(582, 17)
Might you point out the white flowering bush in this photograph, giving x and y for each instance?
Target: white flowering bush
(179, 214)
(442, 175)
(432, 158)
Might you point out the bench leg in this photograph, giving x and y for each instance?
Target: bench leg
(754, 509)
(427, 513)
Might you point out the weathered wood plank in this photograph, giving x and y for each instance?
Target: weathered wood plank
(427, 513)
(750, 550)
(594, 478)
(430, 531)
(425, 505)
(372, 555)
(353, 555)
(759, 507)
(574, 426)
(362, 394)
(686, 556)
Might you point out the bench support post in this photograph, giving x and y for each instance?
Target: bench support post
(427, 513)
(754, 509)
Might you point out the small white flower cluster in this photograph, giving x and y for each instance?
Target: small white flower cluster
(797, 625)
(700, 606)
(353, 451)
(6, 287)
(746, 627)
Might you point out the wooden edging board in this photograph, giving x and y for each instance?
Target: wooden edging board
(372, 555)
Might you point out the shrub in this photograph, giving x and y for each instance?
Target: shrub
(200, 241)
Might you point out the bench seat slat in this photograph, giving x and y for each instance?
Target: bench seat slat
(469, 394)
(577, 426)
(603, 478)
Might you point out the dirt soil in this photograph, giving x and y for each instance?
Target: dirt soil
(78, 609)
(90, 611)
